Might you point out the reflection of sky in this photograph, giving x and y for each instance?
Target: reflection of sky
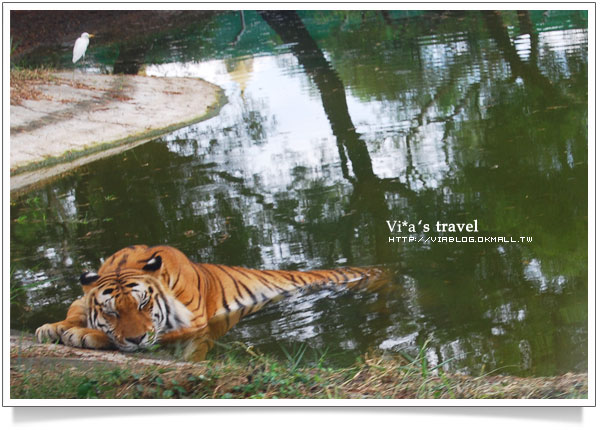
(523, 46)
(290, 143)
(564, 41)
(559, 46)
(533, 272)
(439, 55)
(301, 135)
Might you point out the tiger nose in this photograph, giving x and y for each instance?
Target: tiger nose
(136, 340)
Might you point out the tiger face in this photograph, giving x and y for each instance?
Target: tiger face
(133, 306)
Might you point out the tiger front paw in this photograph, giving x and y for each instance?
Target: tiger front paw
(49, 332)
(82, 337)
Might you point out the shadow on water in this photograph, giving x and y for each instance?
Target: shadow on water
(339, 122)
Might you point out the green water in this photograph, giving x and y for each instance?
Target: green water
(337, 123)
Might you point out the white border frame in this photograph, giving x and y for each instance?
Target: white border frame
(590, 7)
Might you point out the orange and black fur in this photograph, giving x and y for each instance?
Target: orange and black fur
(143, 295)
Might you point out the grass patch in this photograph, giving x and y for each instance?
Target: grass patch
(239, 372)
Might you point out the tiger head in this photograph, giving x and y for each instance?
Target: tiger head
(130, 299)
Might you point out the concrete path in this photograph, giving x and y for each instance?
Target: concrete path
(77, 121)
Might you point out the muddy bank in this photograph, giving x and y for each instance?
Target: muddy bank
(78, 118)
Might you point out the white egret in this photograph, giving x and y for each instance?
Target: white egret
(81, 45)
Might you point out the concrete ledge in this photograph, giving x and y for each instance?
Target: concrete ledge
(93, 116)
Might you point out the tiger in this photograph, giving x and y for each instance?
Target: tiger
(143, 295)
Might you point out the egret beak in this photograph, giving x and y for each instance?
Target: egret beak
(91, 35)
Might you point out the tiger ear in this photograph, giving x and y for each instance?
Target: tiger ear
(87, 278)
(153, 264)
